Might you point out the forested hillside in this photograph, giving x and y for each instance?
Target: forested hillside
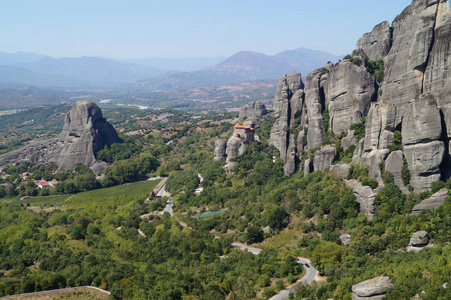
(113, 239)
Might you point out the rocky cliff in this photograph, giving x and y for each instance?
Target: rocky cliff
(250, 115)
(85, 132)
(398, 80)
(372, 289)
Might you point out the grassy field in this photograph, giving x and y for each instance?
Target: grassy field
(67, 294)
(48, 201)
(284, 241)
(116, 195)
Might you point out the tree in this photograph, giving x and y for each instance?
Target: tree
(254, 234)
(327, 257)
(278, 218)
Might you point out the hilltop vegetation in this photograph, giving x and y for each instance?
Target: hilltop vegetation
(92, 238)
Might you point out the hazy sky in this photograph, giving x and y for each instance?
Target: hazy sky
(187, 28)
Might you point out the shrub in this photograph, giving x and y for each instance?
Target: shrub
(397, 141)
(405, 173)
(254, 234)
(369, 182)
(376, 68)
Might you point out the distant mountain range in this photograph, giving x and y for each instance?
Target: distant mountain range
(241, 67)
(91, 70)
(19, 57)
(178, 64)
(30, 69)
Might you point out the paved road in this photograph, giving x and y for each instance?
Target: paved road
(309, 277)
(162, 192)
(168, 207)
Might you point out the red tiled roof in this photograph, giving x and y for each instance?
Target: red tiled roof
(243, 127)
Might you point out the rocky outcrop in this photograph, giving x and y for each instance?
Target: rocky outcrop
(323, 158)
(315, 104)
(422, 129)
(308, 166)
(413, 39)
(424, 164)
(288, 105)
(348, 140)
(350, 90)
(374, 148)
(345, 239)
(377, 43)
(419, 239)
(372, 289)
(233, 147)
(341, 169)
(220, 149)
(413, 97)
(394, 164)
(85, 132)
(432, 202)
(252, 110)
(364, 196)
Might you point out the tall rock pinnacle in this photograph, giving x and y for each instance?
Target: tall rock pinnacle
(413, 97)
(85, 132)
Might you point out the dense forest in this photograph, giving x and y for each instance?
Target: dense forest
(103, 232)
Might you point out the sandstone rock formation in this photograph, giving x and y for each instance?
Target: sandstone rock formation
(341, 169)
(413, 97)
(394, 164)
(364, 196)
(220, 149)
(372, 289)
(315, 103)
(350, 90)
(323, 158)
(345, 239)
(308, 166)
(419, 239)
(376, 44)
(348, 140)
(252, 110)
(288, 104)
(236, 145)
(432, 202)
(85, 132)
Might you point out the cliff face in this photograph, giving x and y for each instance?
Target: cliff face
(84, 133)
(414, 97)
(288, 105)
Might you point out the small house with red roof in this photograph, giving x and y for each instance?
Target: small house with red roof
(42, 184)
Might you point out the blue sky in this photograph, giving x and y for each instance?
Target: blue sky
(187, 28)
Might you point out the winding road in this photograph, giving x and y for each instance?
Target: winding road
(310, 275)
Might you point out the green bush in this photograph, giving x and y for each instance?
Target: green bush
(376, 68)
(369, 182)
(254, 234)
(397, 142)
(405, 173)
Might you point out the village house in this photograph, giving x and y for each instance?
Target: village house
(42, 184)
(25, 175)
(53, 183)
